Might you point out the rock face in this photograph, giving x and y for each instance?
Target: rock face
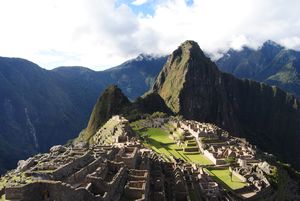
(191, 85)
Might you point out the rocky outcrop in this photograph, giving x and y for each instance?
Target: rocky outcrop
(191, 85)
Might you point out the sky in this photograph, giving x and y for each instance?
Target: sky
(104, 33)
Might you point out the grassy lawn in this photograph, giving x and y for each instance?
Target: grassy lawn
(159, 135)
(224, 178)
(199, 158)
(159, 140)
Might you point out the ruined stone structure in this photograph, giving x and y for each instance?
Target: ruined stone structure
(126, 170)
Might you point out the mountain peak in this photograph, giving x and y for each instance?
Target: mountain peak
(271, 44)
(185, 63)
(189, 43)
(192, 86)
(111, 102)
(191, 48)
(146, 57)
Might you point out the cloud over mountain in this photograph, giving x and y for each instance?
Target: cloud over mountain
(102, 33)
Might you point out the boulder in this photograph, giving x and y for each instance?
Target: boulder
(58, 149)
(24, 165)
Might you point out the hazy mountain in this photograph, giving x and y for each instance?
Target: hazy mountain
(271, 63)
(136, 76)
(191, 85)
(40, 108)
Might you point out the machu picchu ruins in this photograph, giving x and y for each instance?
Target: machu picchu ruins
(125, 161)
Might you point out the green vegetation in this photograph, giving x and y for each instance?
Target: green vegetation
(230, 160)
(112, 101)
(14, 178)
(192, 196)
(159, 115)
(163, 143)
(224, 177)
(291, 171)
(198, 158)
(3, 182)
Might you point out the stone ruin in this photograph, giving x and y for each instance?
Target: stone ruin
(125, 170)
(115, 130)
(103, 173)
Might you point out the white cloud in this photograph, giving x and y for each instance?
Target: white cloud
(99, 34)
(139, 2)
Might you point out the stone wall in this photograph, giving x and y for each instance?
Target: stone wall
(2, 191)
(128, 155)
(242, 178)
(210, 156)
(137, 186)
(107, 188)
(71, 167)
(82, 173)
(50, 190)
(135, 189)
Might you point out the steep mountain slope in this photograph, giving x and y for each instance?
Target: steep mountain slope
(191, 85)
(41, 108)
(271, 63)
(113, 102)
(35, 111)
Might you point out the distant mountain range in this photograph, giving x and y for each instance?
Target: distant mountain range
(40, 108)
(271, 63)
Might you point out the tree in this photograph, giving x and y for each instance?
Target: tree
(230, 175)
(230, 160)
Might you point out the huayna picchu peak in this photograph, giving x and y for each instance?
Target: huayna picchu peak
(197, 134)
(192, 86)
(183, 62)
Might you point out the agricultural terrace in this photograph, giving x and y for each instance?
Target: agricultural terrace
(228, 180)
(162, 141)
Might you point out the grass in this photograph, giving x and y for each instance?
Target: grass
(159, 135)
(199, 158)
(159, 140)
(223, 177)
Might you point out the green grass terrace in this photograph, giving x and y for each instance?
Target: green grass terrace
(224, 177)
(160, 141)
